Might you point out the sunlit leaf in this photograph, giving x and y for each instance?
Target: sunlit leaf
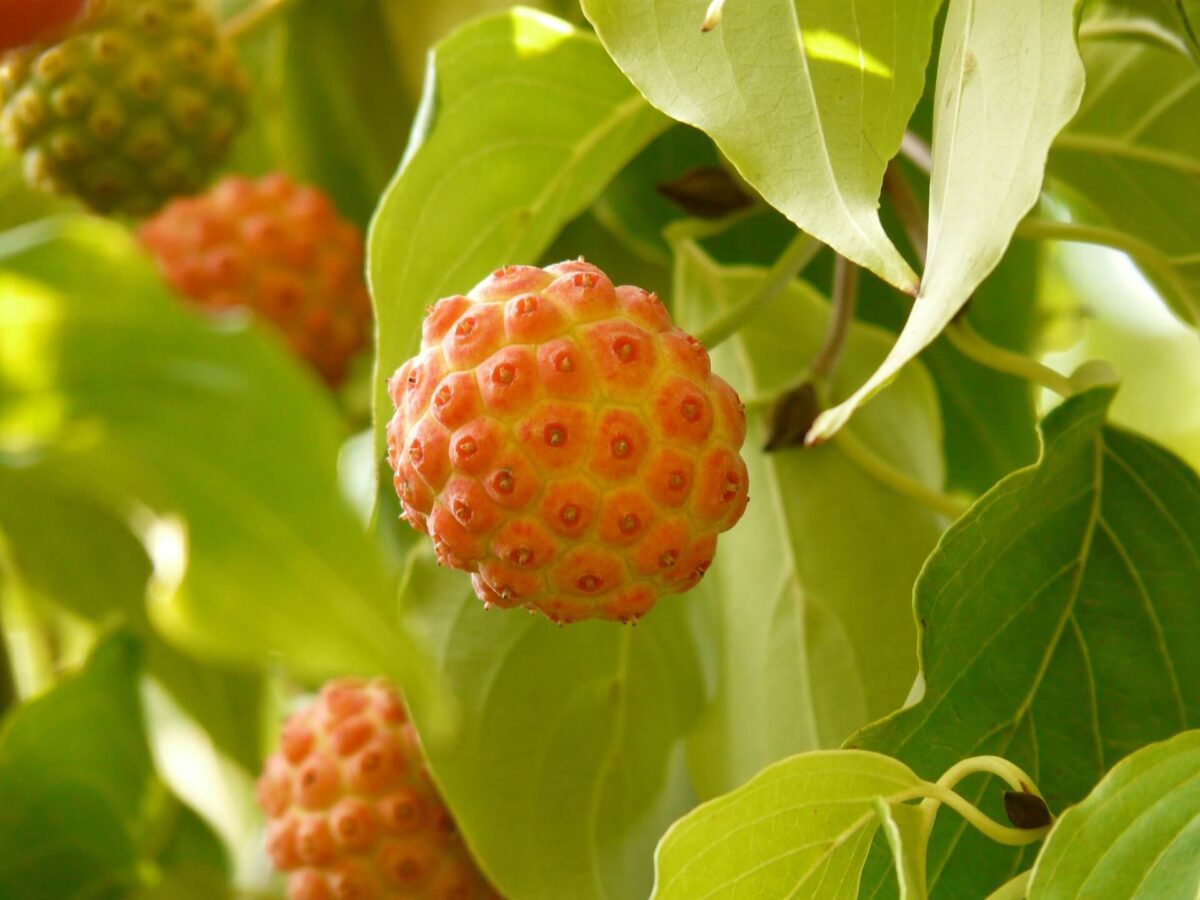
(222, 449)
(799, 829)
(526, 120)
(808, 100)
(1137, 835)
(989, 153)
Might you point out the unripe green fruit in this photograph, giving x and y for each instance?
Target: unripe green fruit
(563, 442)
(137, 103)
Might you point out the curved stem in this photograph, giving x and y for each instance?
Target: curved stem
(898, 480)
(1012, 775)
(974, 346)
(1001, 834)
(252, 18)
(845, 296)
(798, 254)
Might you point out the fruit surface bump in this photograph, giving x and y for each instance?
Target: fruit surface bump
(135, 102)
(278, 249)
(25, 21)
(352, 812)
(563, 442)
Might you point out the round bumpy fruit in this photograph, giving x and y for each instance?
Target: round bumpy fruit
(278, 249)
(24, 21)
(352, 812)
(560, 440)
(136, 102)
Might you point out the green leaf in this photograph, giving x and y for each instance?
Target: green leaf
(1137, 835)
(799, 829)
(62, 542)
(989, 156)
(330, 100)
(1057, 628)
(75, 771)
(222, 447)
(906, 829)
(569, 762)
(1165, 22)
(811, 643)
(809, 100)
(526, 121)
(1128, 165)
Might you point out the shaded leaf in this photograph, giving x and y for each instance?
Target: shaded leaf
(1167, 22)
(799, 829)
(1057, 620)
(1129, 163)
(809, 601)
(989, 156)
(527, 121)
(808, 101)
(1137, 835)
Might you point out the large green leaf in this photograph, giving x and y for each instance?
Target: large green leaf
(568, 764)
(221, 447)
(808, 100)
(1136, 836)
(799, 829)
(1128, 165)
(61, 543)
(1009, 79)
(525, 120)
(812, 642)
(76, 783)
(1058, 623)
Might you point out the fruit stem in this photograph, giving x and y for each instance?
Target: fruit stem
(798, 254)
(971, 344)
(937, 795)
(898, 480)
(252, 18)
(845, 296)
(1010, 774)
(8, 685)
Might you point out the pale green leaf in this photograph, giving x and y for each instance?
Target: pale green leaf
(809, 100)
(812, 643)
(1058, 630)
(1009, 78)
(526, 120)
(1128, 165)
(906, 829)
(220, 447)
(799, 829)
(568, 764)
(1136, 836)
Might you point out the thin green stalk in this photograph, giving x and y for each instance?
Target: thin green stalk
(8, 684)
(798, 254)
(898, 480)
(845, 296)
(974, 346)
(1012, 775)
(252, 18)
